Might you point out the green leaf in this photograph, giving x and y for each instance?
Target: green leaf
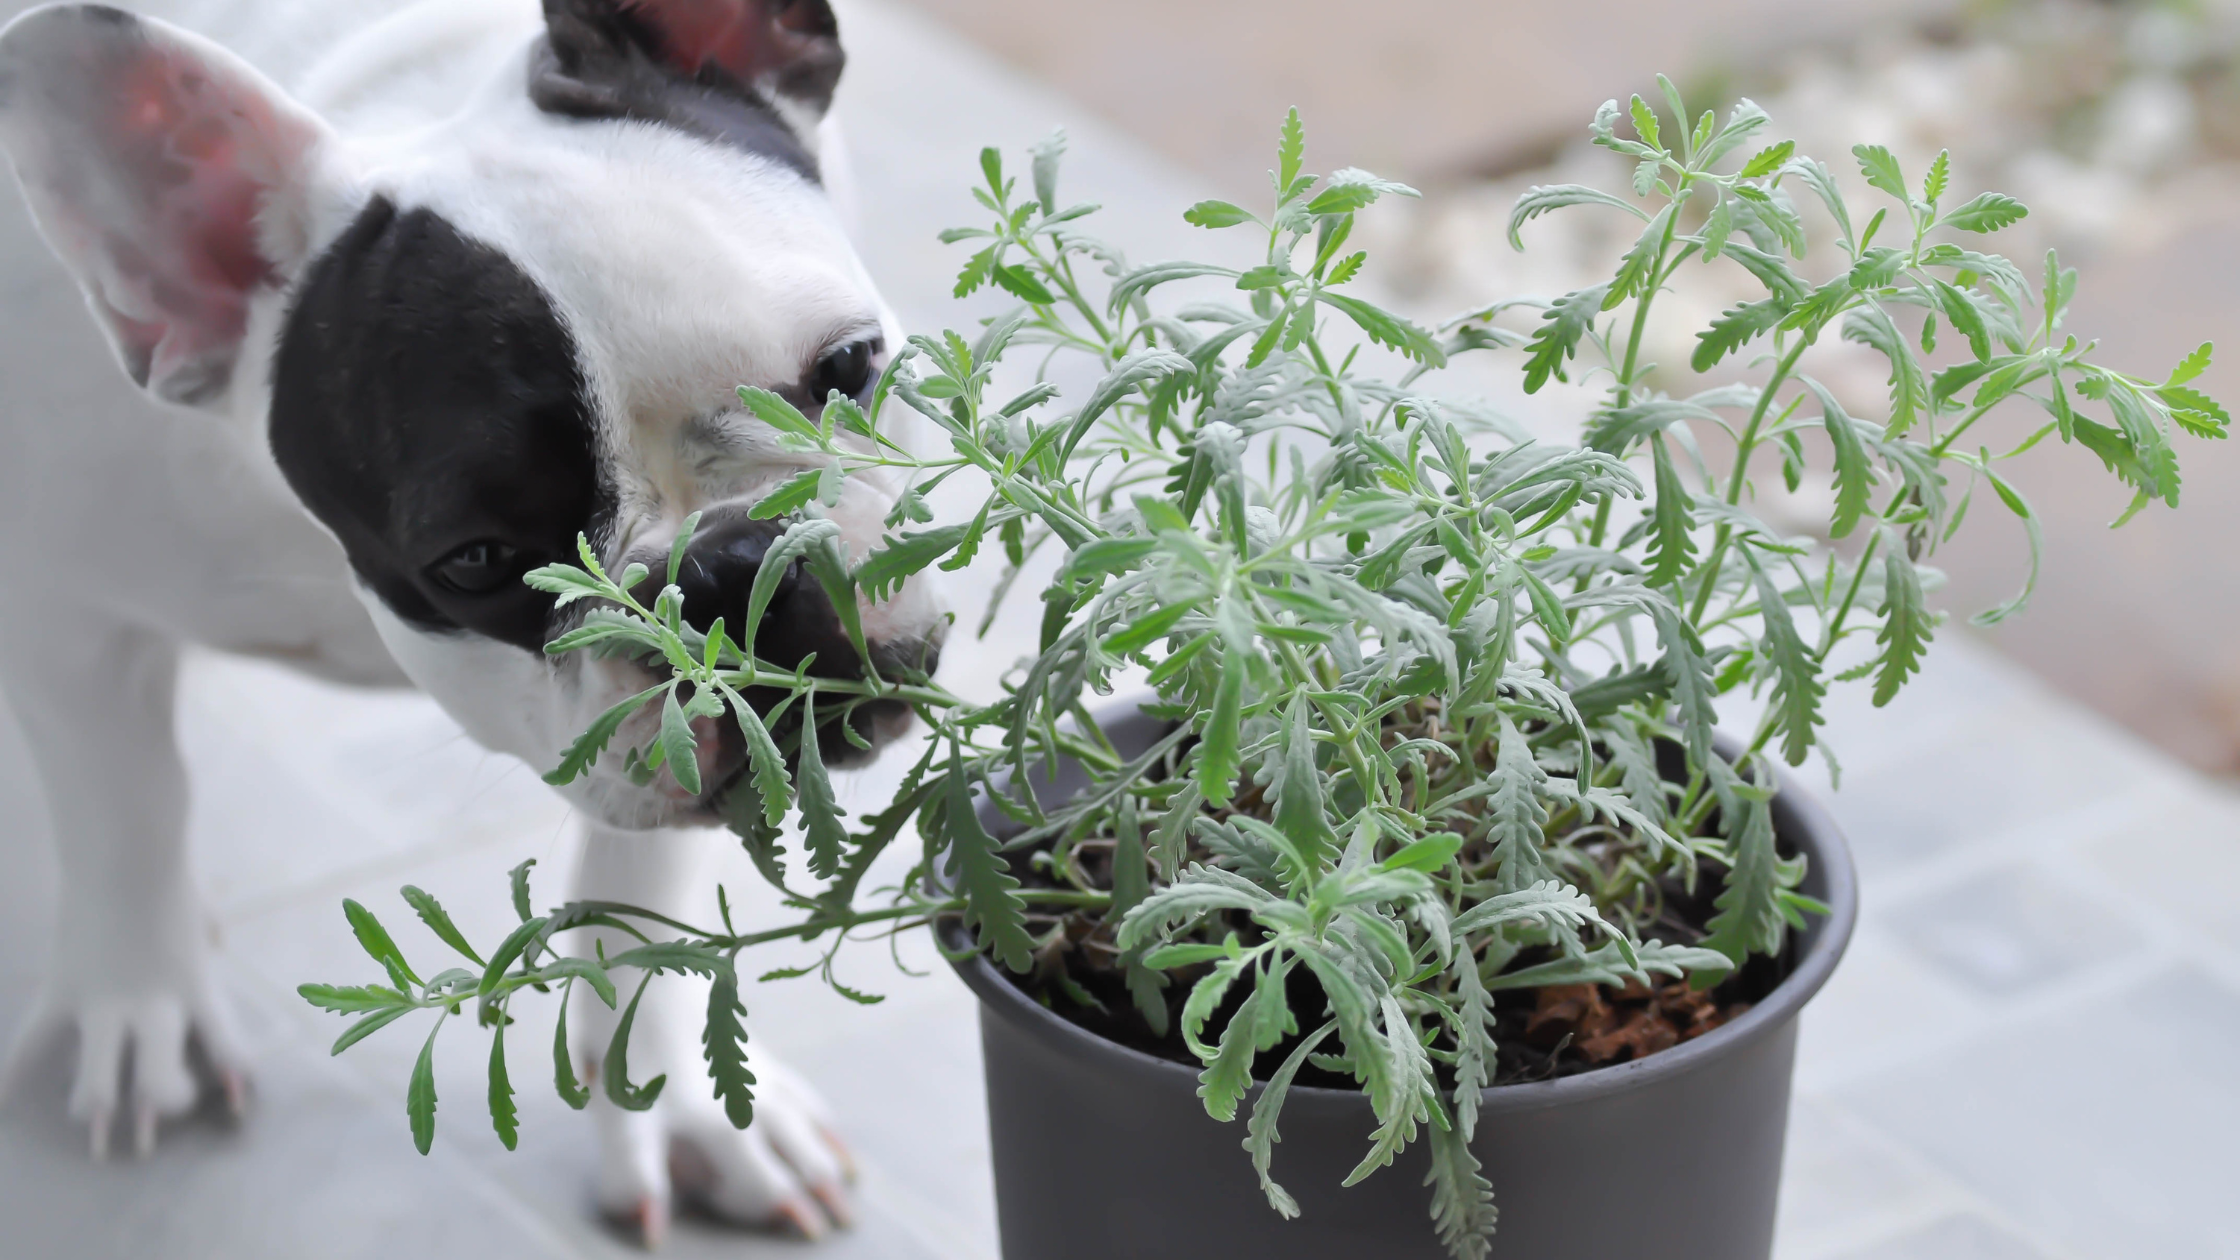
(1131, 883)
(679, 750)
(1777, 216)
(567, 583)
(1462, 1207)
(1347, 268)
(1782, 283)
(587, 970)
(991, 892)
(2021, 508)
(1881, 169)
(1132, 373)
(1260, 1131)
(1907, 624)
(1205, 998)
(431, 913)
(1144, 631)
(1515, 812)
(1387, 329)
(375, 939)
(420, 1095)
(1871, 326)
(1107, 556)
(351, 999)
(1228, 1070)
(2192, 365)
(584, 753)
(1557, 338)
(1960, 308)
(564, 1080)
(1296, 787)
(1734, 328)
(504, 1116)
(1540, 199)
(1797, 689)
(1743, 121)
(823, 826)
(2198, 413)
(1822, 182)
(1353, 189)
(1854, 468)
(1169, 957)
(1547, 608)
(1021, 284)
(1672, 534)
(1768, 160)
(615, 1071)
(519, 878)
(368, 1026)
(1939, 174)
(1142, 280)
(1637, 270)
(772, 784)
(1217, 214)
(1196, 891)
(680, 957)
(778, 413)
(1217, 735)
(1749, 919)
(791, 496)
(1291, 150)
(1047, 156)
(1645, 123)
(777, 562)
(1429, 855)
(1987, 212)
(723, 1041)
(511, 948)
(1693, 689)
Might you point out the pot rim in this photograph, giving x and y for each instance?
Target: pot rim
(1797, 816)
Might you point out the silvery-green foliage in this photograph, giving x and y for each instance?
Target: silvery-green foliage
(1419, 669)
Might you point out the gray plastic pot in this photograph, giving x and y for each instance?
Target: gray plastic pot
(1103, 1152)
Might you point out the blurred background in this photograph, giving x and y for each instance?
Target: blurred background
(2117, 122)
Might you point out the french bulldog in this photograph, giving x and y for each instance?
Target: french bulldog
(410, 295)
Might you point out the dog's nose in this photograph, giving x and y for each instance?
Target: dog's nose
(717, 578)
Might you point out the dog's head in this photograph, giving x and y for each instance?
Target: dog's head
(471, 343)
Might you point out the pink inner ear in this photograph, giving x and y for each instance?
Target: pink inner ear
(181, 143)
(732, 35)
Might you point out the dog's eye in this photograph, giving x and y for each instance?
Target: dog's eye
(847, 369)
(479, 568)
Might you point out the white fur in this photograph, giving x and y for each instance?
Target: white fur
(682, 269)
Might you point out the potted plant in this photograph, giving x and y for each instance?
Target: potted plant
(1419, 846)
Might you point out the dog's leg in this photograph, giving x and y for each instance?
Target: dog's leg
(131, 964)
(787, 1170)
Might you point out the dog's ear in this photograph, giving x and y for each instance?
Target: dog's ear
(169, 176)
(629, 58)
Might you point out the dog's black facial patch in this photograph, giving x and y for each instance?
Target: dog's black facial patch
(429, 408)
(700, 66)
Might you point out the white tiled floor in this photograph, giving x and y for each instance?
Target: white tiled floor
(2028, 1056)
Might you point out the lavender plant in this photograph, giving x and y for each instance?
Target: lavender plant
(1417, 670)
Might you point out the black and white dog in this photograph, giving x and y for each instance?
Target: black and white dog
(477, 279)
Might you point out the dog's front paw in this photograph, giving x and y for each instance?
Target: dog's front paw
(144, 1019)
(787, 1171)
